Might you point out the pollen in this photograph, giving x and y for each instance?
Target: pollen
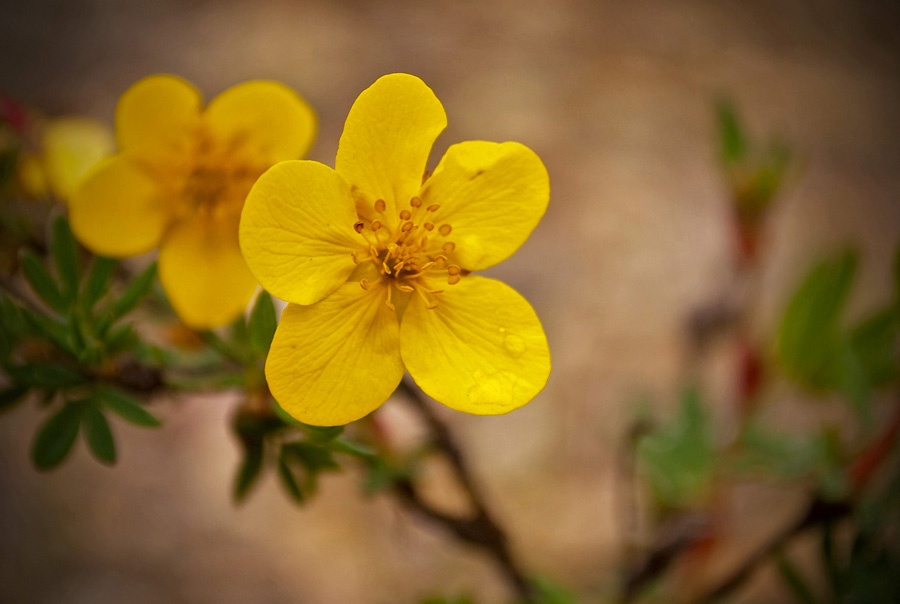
(404, 257)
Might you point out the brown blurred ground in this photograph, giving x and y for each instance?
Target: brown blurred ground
(617, 100)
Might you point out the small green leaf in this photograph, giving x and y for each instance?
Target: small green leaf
(65, 255)
(98, 436)
(42, 283)
(127, 407)
(313, 457)
(98, 280)
(732, 144)
(323, 434)
(12, 395)
(45, 375)
(250, 471)
(288, 480)
(51, 329)
(138, 288)
(56, 436)
(340, 445)
(262, 324)
(809, 341)
(679, 457)
(874, 342)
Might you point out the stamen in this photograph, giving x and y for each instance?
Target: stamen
(453, 279)
(380, 206)
(415, 202)
(364, 283)
(428, 226)
(388, 301)
(445, 229)
(428, 303)
(407, 226)
(452, 270)
(448, 247)
(405, 288)
(440, 262)
(405, 215)
(375, 225)
(433, 207)
(359, 226)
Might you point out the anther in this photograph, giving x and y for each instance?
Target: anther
(405, 215)
(452, 270)
(375, 225)
(433, 207)
(440, 262)
(380, 205)
(364, 283)
(405, 288)
(359, 226)
(448, 247)
(428, 226)
(407, 226)
(415, 202)
(445, 229)
(453, 279)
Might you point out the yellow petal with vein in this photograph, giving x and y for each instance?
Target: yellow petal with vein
(482, 350)
(272, 121)
(118, 210)
(492, 195)
(203, 273)
(387, 139)
(338, 360)
(297, 231)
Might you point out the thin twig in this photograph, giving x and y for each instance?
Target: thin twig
(481, 528)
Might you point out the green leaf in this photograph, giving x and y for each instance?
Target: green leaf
(251, 468)
(678, 459)
(340, 445)
(98, 436)
(874, 342)
(42, 283)
(138, 288)
(56, 436)
(12, 395)
(65, 255)
(262, 324)
(323, 434)
(314, 458)
(732, 143)
(127, 407)
(50, 329)
(288, 480)
(98, 280)
(793, 579)
(809, 342)
(45, 375)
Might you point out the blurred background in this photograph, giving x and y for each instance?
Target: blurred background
(619, 100)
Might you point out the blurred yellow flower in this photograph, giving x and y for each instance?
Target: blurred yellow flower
(375, 259)
(68, 148)
(179, 182)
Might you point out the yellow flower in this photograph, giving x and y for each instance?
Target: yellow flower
(179, 182)
(375, 259)
(68, 148)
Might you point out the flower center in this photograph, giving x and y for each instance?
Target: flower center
(413, 256)
(219, 177)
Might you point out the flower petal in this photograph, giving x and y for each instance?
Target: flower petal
(72, 146)
(492, 195)
(118, 210)
(203, 272)
(272, 120)
(157, 117)
(297, 231)
(482, 350)
(387, 139)
(338, 360)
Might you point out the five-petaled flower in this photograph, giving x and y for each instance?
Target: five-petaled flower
(375, 260)
(179, 182)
